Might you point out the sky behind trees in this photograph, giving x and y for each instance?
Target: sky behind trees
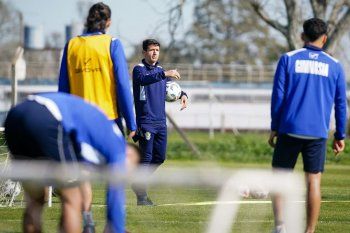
(209, 31)
(133, 20)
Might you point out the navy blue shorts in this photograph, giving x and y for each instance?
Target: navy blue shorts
(32, 133)
(153, 143)
(288, 148)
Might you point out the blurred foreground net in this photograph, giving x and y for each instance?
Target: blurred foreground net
(211, 197)
(9, 190)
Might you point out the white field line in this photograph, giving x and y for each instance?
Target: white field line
(205, 203)
(244, 202)
(155, 221)
(208, 203)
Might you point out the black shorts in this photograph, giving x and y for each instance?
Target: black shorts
(32, 133)
(288, 148)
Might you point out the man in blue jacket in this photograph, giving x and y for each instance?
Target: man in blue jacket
(63, 128)
(307, 83)
(149, 85)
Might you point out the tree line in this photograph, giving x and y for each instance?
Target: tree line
(252, 31)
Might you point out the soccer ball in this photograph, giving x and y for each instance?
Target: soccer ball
(243, 191)
(173, 91)
(256, 193)
(259, 193)
(9, 188)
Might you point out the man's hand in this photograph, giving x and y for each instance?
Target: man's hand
(184, 101)
(172, 74)
(338, 146)
(271, 141)
(131, 135)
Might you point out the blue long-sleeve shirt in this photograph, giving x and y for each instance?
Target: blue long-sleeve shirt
(122, 80)
(98, 141)
(307, 83)
(149, 85)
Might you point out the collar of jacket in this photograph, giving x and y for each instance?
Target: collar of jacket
(148, 65)
(308, 46)
(92, 33)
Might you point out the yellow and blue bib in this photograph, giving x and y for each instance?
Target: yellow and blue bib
(90, 71)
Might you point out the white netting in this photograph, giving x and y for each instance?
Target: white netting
(226, 208)
(9, 190)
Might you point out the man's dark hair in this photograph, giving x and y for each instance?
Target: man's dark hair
(97, 18)
(314, 28)
(149, 42)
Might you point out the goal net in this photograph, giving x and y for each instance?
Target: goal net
(9, 189)
(209, 200)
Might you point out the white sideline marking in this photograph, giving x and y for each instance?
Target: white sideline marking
(217, 203)
(207, 203)
(247, 202)
(204, 203)
(155, 221)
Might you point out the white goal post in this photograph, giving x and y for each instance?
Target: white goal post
(288, 185)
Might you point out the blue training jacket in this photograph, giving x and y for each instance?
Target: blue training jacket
(307, 83)
(98, 139)
(121, 74)
(149, 85)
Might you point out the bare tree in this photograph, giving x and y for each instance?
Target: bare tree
(226, 31)
(175, 16)
(335, 12)
(10, 30)
(83, 7)
(174, 20)
(171, 24)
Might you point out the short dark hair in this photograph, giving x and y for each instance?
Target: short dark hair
(314, 28)
(149, 42)
(97, 18)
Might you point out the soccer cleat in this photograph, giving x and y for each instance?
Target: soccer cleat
(144, 201)
(141, 196)
(279, 229)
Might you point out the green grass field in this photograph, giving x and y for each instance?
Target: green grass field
(235, 152)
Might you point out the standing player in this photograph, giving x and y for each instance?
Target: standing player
(94, 67)
(308, 82)
(149, 85)
(63, 128)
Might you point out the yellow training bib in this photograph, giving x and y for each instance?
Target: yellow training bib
(90, 71)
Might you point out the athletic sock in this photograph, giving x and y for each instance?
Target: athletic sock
(88, 219)
(139, 190)
(280, 229)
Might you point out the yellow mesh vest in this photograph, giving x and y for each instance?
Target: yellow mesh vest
(90, 70)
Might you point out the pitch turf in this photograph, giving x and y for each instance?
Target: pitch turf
(245, 150)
